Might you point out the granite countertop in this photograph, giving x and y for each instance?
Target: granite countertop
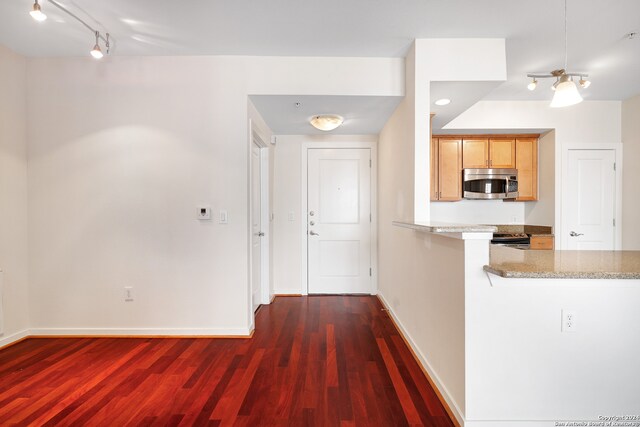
(444, 227)
(515, 263)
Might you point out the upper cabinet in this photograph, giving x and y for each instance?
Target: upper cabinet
(446, 169)
(451, 154)
(527, 165)
(475, 153)
(478, 153)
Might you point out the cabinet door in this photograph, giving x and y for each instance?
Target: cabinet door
(450, 169)
(434, 169)
(527, 165)
(502, 153)
(475, 153)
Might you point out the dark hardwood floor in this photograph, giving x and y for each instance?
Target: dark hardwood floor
(321, 360)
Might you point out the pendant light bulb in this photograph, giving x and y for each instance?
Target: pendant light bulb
(584, 83)
(96, 52)
(566, 93)
(36, 12)
(533, 84)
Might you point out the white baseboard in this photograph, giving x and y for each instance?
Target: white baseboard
(9, 339)
(425, 364)
(221, 332)
(288, 292)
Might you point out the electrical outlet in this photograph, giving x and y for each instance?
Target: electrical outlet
(128, 293)
(568, 321)
(291, 216)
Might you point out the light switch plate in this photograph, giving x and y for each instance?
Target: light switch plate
(223, 218)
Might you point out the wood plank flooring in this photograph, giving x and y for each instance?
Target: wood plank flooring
(313, 361)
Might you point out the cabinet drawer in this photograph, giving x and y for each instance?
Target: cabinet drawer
(541, 242)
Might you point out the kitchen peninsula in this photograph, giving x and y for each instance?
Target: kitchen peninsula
(506, 359)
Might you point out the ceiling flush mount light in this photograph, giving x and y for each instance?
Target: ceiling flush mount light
(36, 13)
(443, 101)
(326, 122)
(96, 52)
(565, 90)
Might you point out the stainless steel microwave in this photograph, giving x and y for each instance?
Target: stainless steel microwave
(490, 183)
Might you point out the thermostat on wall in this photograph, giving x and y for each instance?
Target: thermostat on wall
(204, 212)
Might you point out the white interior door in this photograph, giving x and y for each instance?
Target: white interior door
(256, 226)
(589, 200)
(339, 221)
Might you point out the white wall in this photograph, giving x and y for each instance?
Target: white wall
(631, 174)
(542, 211)
(287, 251)
(13, 197)
(521, 367)
(587, 122)
(479, 212)
(121, 152)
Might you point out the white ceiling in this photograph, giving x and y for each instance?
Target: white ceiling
(363, 115)
(384, 28)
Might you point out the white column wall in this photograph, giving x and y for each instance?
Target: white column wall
(631, 174)
(14, 312)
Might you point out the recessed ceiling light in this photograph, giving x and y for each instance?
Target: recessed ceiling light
(443, 101)
(326, 122)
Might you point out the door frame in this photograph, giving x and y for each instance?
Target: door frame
(257, 136)
(562, 190)
(306, 146)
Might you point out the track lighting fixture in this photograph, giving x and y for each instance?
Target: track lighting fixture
(566, 91)
(36, 12)
(96, 52)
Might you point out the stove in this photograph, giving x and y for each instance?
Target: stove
(511, 239)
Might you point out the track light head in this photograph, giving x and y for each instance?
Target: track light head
(96, 52)
(584, 83)
(533, 84)
(36, 12)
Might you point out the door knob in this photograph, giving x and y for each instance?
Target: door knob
(313, 233)
(574, 234)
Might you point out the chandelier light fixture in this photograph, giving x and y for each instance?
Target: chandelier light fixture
(565, 90)
(326, 122)
(37, 14)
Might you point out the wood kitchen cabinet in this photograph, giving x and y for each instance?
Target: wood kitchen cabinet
(541, 242)
(490, 152)
(527, 165)
(451, 153)
(446, 169)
